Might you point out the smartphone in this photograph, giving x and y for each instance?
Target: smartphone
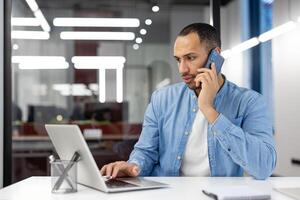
(215, 57)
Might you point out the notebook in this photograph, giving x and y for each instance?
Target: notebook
(237, 193)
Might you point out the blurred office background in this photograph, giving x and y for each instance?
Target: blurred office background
(63, 72)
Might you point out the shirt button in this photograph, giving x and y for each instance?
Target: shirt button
(194, 110)
(186, 133)
(178, 157)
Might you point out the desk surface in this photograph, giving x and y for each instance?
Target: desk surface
(37, 188)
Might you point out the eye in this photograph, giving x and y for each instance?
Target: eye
(177, 60)
(191, 58)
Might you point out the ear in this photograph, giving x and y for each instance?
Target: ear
(218, 49)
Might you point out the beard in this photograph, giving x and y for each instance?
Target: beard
(191, 84)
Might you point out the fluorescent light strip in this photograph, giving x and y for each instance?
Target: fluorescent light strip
(94, 87)
(97, 22)
(119, 85)
(30, 35)
(44, 24)
(277, 31)
(38, 59)
(226, 53)
(102, 91)
(96, 60)
(76, 93)
(102, 63)
(86, 66)
(61, 87)
(32, 5)
(70, 35)
(72, 89)
(35, 65)
(245, 45)
(98, 66)
(24, 21)
(38, 14)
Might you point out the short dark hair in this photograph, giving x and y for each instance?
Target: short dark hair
(205, 32)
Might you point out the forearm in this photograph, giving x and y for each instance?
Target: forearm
(254, 152)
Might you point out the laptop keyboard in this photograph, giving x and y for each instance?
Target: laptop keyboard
(113, 183)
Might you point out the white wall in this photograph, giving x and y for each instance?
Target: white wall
(234, 67)
(1, 91)
(286, 70)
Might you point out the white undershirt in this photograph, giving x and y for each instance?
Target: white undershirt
(195, 159)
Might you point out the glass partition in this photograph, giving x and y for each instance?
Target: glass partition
(91, 63)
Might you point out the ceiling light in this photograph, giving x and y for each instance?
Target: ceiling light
(97, 22)
(30, 35)
(135, 46)
(15, 46)
(148, 22)
(101, 89)
(277, 31)
(76, 89)
(119, 85)
(43, 65)
(98, 66)
(60, 87)
(24, 21)
(143, 31)
(245, 45)
(96, 60)
(59, 118)
(43, 22)
(138, 40)
(102, 63)
(226, 53)
(155, 8)
(32, 5)
(94, 87)
(70, 35)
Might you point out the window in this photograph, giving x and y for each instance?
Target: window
(79, 62)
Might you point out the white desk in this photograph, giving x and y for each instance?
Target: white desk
(183, 188)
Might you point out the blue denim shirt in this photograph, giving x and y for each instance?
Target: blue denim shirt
(240, 140)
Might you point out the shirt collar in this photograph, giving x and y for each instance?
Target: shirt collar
(221, 92)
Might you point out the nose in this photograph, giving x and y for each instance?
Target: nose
(183, 67)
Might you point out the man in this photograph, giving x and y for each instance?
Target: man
(206, 126)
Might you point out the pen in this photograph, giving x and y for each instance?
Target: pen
(210, 194)
(60, 169)
(60, 180)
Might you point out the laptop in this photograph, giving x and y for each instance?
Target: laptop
(291, 192)
(68, 139)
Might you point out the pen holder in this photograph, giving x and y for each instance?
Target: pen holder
(63, 176)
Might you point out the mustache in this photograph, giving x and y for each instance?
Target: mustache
(188, 75)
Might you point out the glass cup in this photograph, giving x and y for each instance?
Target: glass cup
(63, 178)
